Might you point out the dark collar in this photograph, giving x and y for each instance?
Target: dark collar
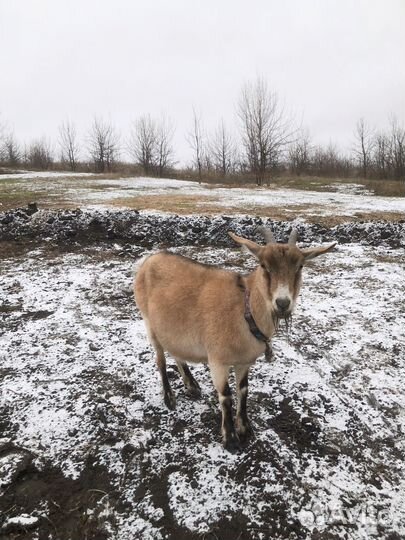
(250, 320)
(255, 330)
(268, 353)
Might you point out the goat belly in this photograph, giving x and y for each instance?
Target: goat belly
(187, 351)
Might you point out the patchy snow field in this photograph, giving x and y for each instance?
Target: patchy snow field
(322, 204)
(32, 175)
(57, 190)
(88, 449)
(347, 200)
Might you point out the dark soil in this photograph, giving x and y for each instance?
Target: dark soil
(73, 506)
(148, 230)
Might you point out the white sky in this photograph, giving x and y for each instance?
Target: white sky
(331, 62)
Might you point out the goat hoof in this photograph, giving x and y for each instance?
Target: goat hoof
(245, 432)
(232, 444)
(244, 437)
(170, 401)
(193, 392)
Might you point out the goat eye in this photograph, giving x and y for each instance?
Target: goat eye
(300, 267)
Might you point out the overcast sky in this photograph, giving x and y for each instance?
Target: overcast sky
(331, 62)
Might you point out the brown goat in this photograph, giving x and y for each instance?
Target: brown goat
(201, 313)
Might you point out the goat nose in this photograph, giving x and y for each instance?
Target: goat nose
(283, 303)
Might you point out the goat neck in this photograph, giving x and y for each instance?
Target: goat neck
(260, 306)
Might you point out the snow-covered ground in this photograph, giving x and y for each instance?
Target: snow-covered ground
(33, 175)
(343, 200)
(88, 449)
(346, 201)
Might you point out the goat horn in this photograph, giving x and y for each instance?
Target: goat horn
(268, 235)
(293, 237)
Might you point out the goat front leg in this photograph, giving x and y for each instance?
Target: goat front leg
(220, 375)
(243, 425)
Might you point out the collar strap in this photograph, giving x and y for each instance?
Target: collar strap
(250, 320)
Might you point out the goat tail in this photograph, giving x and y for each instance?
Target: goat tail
(139, 263)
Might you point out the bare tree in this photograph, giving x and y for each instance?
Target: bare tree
(25, 155)
(2, 128)
(266, 131)
(196, 141)
(142, 142)
(39, 154)
(397, 149)
(103, 145)
(363, 147)
(164, 145)
(11, 150)
(381, 155)
(222, 150)
(299, 153)
(207, 163)
(150, 144)
(68, 144)
(330, 162)
(2, 137)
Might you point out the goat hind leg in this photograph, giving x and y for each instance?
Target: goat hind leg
(168, 396)
(192, 386)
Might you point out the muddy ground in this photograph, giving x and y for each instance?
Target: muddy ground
(87, 448)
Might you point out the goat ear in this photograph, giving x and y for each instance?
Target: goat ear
(311, 253)
(248, 244)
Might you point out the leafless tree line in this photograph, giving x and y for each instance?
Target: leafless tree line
(380, 154)
(38, 155)
(151, 144)
(374, 154)
(269, 142)
(212, 153)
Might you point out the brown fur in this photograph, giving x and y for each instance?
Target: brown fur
(195, 312)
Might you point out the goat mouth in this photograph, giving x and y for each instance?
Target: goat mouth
(285, 316)
(282, 314)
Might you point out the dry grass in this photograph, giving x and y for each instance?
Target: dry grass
(382, 187)
(10, 201)
(53, 193)
(304, 183)
(48, 192)
(371, 216)
(192, 204)
(385, 188)
(312, 183)
(178, 204)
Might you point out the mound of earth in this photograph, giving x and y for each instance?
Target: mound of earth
(151, 229)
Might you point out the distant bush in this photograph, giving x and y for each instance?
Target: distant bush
(39, 155)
